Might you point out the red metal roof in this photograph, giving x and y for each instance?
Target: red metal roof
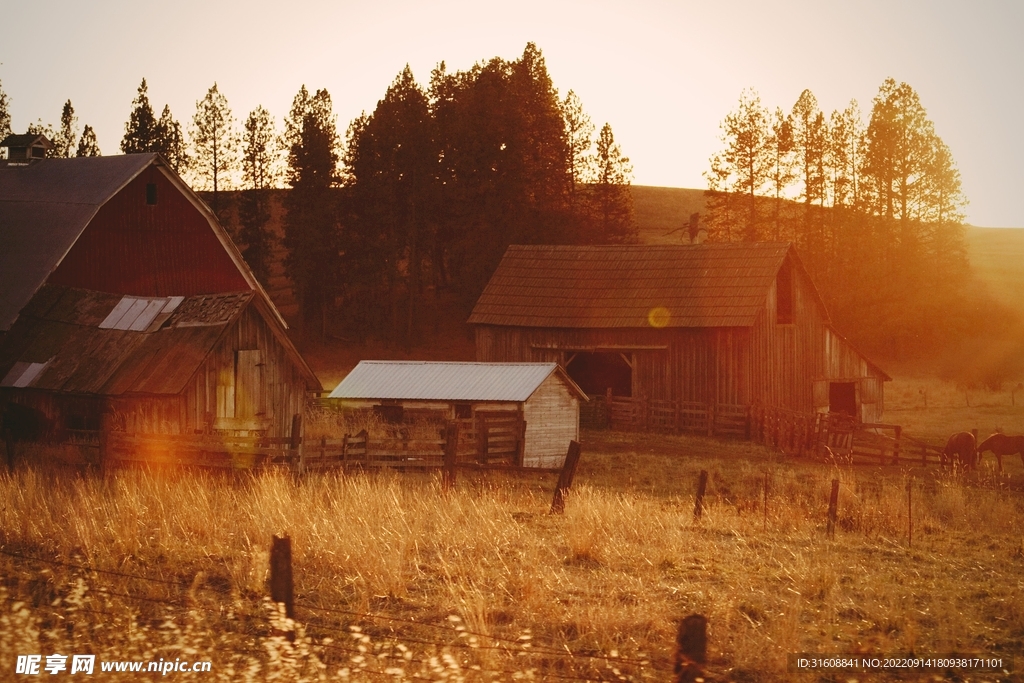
(705, 285)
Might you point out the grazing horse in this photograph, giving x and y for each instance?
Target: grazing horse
(1000, 445)
(961, 446)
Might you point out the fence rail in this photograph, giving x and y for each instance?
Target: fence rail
(487, 441)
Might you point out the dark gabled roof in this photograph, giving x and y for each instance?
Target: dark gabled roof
(70, 340)
(25, 140)
(704, 285)
(44, 207)
(448, 381)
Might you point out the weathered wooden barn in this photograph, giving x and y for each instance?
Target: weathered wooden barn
(152, 365)
(123, 298)
(541, 395)
(716, 323)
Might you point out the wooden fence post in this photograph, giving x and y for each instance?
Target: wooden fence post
(521, 446)
(282, 589)
(910, 513)
(833, 505)
(572, 459)
(702, 485)
(451, 450)
(691, 649)
(896, 448)
(298, 457)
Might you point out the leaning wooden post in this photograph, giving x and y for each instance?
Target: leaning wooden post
(298, 457)
(282, 589)
(691, 649)
(568, 473)
(702, 485)
(833, 505)
(451, 450)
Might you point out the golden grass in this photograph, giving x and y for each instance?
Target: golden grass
(437, 584)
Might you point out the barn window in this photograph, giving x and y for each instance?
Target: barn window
(151, 193)
(463, 411)
(595, 373)
(784, 295)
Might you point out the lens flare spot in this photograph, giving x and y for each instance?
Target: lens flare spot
(658, 316)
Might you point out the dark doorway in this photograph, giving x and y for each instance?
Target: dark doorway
(596, 372)
(842, 398)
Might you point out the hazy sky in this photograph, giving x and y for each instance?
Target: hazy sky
(664, 74)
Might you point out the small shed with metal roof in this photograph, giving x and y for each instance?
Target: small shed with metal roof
(541, 396)
(714, 323)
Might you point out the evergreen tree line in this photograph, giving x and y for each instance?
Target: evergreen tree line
(876, 211)
(418, 202)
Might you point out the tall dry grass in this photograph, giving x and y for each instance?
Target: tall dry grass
(454, 587)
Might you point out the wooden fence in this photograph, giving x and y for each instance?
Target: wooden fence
(674, 417)
(820, 435)
(488, 441)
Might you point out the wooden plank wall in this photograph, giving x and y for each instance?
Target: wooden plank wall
(284, 392)
(552, 417)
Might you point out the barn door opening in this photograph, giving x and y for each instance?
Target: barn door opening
(842, 398)
(595, 373)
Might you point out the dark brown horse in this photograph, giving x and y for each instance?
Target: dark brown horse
(961, 446)
(1000, 445)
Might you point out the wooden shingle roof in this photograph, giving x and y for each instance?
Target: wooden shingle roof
(65, 339)
(704, 285)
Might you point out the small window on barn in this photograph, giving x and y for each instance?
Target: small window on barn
(463, 411)
(151, 193)
(784, 295)
(390, 414)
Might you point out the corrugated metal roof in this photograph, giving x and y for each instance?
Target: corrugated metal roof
(705, 285)
(446, 381)
(60, 328)
(44, 207)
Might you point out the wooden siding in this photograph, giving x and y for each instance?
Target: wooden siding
(769, 363)
(272, 388)
(166, 249)
(552, 417)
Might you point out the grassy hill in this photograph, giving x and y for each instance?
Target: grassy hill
(996, 254)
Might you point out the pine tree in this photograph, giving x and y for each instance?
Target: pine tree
(259, 172)
(390, 165)
(87, 145)
(739, 173)
(170, 142)
(140, 131)
(64, 140)
(311, 225)
(579, 133)
(213, 143)
(612, 199)
(810, 148)
(782, 173)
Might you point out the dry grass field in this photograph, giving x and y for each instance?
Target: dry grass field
(397, 581)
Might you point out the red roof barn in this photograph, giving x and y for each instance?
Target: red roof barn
(122, 293)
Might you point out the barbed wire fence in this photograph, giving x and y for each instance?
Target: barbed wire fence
(271, 617)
